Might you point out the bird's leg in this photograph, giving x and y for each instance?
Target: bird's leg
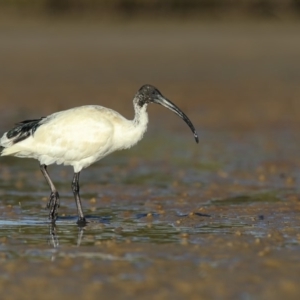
(53, 203)
(75, 189)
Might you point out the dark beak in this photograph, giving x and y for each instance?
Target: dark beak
(168, 104)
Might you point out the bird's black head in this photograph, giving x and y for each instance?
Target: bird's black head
(149, 94)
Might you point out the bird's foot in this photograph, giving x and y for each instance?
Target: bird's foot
(81, 222)
(53, 205)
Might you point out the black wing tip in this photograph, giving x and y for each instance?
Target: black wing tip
(29, 121)
(23, 130)
(1, 149)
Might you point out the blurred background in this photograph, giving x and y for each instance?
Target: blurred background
(224, 62)
(149, 8)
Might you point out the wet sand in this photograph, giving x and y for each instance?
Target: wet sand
(168, 218)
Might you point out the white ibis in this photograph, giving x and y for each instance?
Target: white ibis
(81, 136)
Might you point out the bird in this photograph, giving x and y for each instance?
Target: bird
(81, 136)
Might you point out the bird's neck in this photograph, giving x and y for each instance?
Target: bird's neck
(138, 125)
(141, 116)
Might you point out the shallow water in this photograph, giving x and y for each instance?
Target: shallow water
(167, 218)
(152, 218)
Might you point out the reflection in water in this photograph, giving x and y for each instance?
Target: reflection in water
(80, 235)
(53, 238)
(31, 238)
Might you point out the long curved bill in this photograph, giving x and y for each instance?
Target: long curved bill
(170, 105)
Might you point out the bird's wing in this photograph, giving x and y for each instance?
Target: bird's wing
(67, 136)
(75, 134)
(20, 132)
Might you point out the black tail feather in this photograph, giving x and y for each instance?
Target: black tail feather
(24, 129)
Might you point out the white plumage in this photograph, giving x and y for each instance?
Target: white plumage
(81, 136)
(78, 136)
